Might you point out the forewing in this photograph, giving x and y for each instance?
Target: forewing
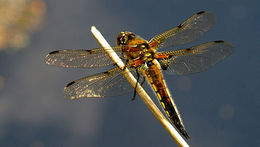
(190, 30)
(79, 58)
(198, 58)
(110, 83)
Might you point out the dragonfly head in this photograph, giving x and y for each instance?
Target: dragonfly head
(124, 37)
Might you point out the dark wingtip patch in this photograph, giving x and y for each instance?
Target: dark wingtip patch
(70, 83)
(219, 41)
(54, 52)
(106, 72)
(180, 26)
(201, 12)
(188, 49)
(164, 67)
(89, 51)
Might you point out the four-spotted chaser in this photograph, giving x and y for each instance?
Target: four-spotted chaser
(141, 57)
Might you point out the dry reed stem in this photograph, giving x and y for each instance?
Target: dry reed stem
(144, 96)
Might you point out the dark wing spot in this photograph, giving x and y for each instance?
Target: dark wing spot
(201, 12)
(106, 72)
(70, 83)
(219, 41)
(89, 51)
(164, 67)
(165, 63)
(180, 26)
(54, 52)
(188, 49)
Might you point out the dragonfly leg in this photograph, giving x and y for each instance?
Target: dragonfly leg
(138, 77)
(126, 63)
(143, 82)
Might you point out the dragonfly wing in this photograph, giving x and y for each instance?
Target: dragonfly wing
(79, 58)
(190, 30)
(196, 59)
(109, 83)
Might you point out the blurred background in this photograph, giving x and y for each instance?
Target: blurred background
(219, 107)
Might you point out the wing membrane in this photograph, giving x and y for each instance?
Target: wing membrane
(79, 58)
(110, 83)
(190, 30)
(198, 58)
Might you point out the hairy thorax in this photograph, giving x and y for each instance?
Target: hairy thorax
(135, 48)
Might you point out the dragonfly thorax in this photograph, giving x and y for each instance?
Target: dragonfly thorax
(134, 47)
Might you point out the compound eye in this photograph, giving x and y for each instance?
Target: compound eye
(131, 36)
(122, 40)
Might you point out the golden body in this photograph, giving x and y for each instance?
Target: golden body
(144, 57)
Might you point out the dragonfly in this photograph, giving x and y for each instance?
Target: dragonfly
(143, 58)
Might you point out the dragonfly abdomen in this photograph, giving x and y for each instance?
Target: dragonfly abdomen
(170, 108)
(155, 77)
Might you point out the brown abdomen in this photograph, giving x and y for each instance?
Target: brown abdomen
(158, 84)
